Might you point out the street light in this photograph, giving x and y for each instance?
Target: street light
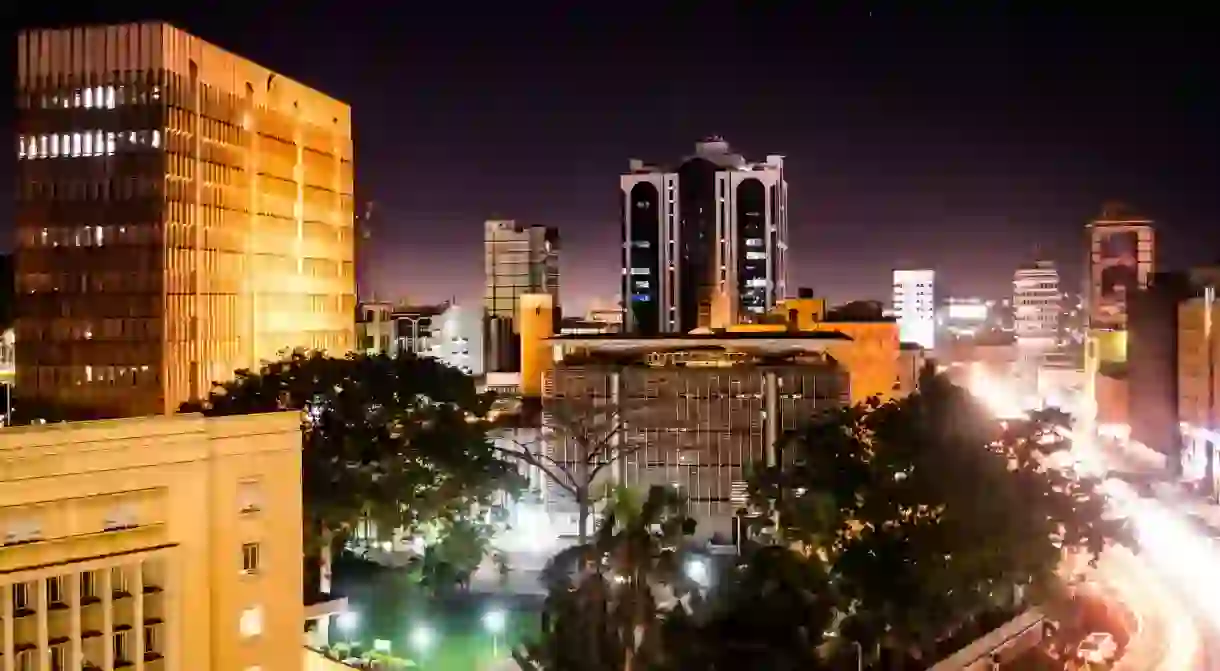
(348, 621)
(422, 638)
(494, 621)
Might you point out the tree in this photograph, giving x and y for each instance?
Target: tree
(581, 438)
(607, 599)
(926, 512)
(389, 441)
(770, 611)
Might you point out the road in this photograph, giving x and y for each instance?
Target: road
(1177, 541)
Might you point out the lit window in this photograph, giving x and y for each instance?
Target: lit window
(88, 98)
(251, 623)
(98, 140)
(54, 145)
(97, 97)
(42, 146)
(156, 138)
(249, 558)
(110, 143)
(109, 97)
(88, 144)
(76, 144)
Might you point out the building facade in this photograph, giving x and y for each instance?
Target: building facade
(518, 259)
(161, 544)
(1121, 258)
(181, 212)
(444, 331)
(1037, 302)
(697, 410)
(715, 227)
(915, 306)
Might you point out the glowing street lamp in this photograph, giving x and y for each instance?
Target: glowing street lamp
(494, 621)
(422, 638)
(348, 621)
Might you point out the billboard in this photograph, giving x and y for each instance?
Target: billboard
(968, 312)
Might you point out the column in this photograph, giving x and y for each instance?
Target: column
(6, 594)
(137, 615)
(40, 617)
(76, 656)
(619, 428)
(770, 417)
(105, 584)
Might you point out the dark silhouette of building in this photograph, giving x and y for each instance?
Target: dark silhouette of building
(1152, 359)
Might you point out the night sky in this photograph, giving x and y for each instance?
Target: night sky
(912, 140)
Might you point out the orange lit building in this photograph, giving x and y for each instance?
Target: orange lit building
(536, 322)
(181, 212)
(871, 357)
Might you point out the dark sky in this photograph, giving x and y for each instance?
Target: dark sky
(928, 139)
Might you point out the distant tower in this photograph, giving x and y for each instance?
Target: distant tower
(364, 235)
(1121, 258)
(713, 225)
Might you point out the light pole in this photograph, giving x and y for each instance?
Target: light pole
(494, 621)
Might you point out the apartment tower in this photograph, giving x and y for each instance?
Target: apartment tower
(181, 212)
(711, 231)
(915, 306)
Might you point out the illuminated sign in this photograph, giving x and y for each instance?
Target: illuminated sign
(697, 358)
(973, 312)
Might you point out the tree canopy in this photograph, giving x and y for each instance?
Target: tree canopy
(926, 512)
(392, 440)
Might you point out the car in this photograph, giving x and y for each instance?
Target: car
(1098, 648)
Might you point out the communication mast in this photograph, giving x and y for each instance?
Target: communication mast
(364, 233)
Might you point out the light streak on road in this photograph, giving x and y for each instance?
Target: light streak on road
(1171, 552)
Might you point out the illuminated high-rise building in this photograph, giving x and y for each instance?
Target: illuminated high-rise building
(714, 228)
(181, 212)
(915, 306)
(518, 260)
(1037, 303)
(1122, 254)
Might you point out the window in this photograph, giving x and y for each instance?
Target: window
(59, 657)
(152, 639)
(122, 646)
(55, 590)
(118, 580)
(251, 623)
(249, 558)
(25, 660)
(21, 596)
(250, 496)
(88, 585)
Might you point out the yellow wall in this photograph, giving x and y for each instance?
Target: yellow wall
(870, 357)
(536, 322)
(809, 311)
(178, 485)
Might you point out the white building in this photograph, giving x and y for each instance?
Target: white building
(1037, 303)
(457, 339)
(915, 306)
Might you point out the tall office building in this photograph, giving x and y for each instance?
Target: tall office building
(1037, 302)
(181, 212)
(1121, 258)
(518, 260)
(915, 306)
(713, 229)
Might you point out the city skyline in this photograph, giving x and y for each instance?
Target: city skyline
(989, 152)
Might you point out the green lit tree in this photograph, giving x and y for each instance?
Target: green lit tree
(395, 441)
